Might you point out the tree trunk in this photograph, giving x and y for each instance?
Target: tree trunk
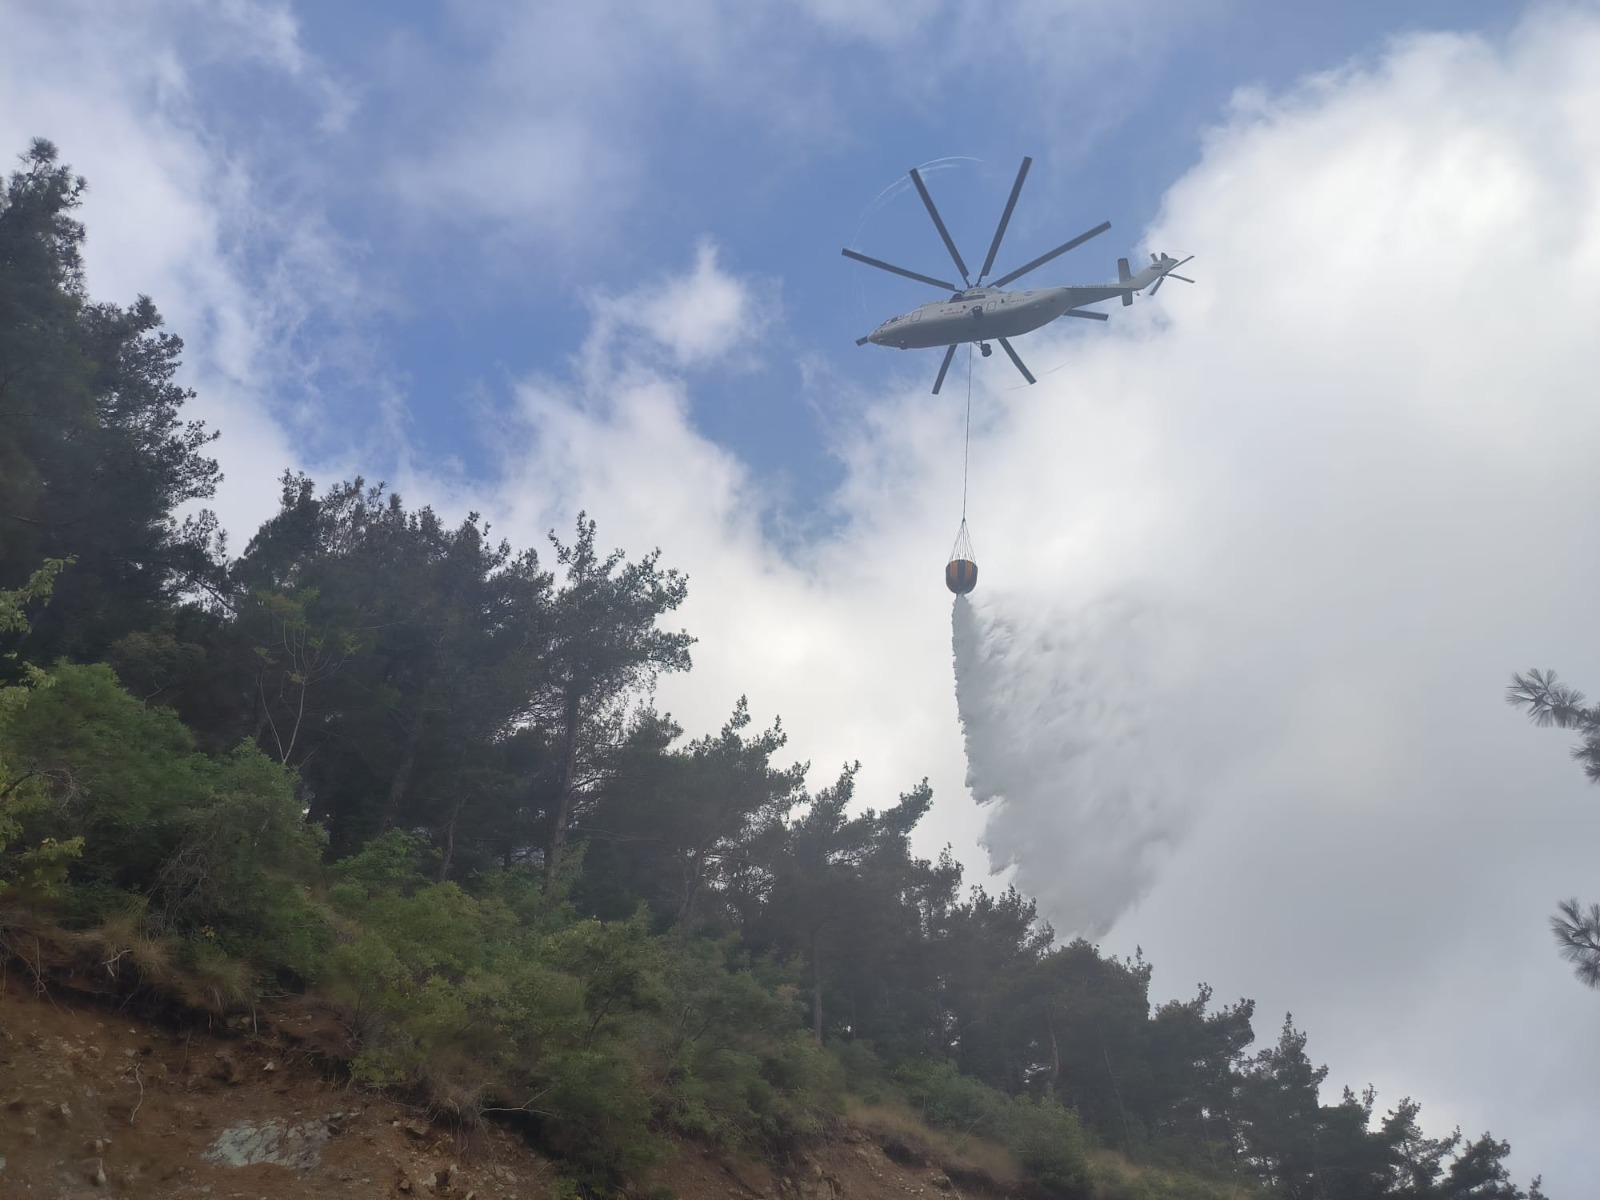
(1127, 1134)
(569, 769)
(1055, 1055)
(816, 992)
(449, 840)
(401, 780)
(691, 892)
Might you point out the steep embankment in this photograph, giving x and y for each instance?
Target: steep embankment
(99, 1103)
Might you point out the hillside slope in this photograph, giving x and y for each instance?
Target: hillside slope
(97, 1103)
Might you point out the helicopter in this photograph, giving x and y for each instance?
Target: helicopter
(981, 313)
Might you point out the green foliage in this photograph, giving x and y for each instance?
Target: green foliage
(862, 1071)
(947, 1099)
(1046, 1138)
(37, 869)
(1048, 1141)
(120, 775)
(243, 868)
(214, 849)
(1147, 1183)
(95, 462)
(40, 584)
(739, 1069)
(598, 1030)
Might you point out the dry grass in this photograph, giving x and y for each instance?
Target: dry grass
(123, 957)
(1116, 1175)
(978, 1159)
(955, 1154)
(123, 941)
(217, 984)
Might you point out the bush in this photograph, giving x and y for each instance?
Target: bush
(117, 774)
(864, 1074)
(213, 852)
(947, 1099)
(1117, 1180)
(1046, 1138)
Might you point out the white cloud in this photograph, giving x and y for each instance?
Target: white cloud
(1349, 477)
(698, 318)
(1360, 455)
(703, 316)
(173, 213)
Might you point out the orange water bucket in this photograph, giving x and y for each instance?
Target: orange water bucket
(961, 575)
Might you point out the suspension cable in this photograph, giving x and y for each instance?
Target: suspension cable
(966, 446)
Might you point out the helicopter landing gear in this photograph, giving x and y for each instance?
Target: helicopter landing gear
(985, 349)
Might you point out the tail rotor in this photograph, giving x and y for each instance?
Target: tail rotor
(1167, 266)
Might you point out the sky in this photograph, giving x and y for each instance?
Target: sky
(1257, 556)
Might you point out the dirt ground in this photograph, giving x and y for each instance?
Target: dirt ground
(848, 1165)
(95, 1103)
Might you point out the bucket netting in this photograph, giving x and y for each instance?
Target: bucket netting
(961, 572)
(963, 547)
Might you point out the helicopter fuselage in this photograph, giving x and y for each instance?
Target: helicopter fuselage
(983, 313)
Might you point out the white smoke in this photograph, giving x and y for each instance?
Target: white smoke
(1074, 736)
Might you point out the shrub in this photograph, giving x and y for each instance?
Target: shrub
(948, 1099)
(213, 851)
(863, 1071)
(1046, 1138)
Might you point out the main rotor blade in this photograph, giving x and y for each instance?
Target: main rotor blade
(1059, 250)
(1006, 346)
(1086, 314)
(1005, 218)
(1185, 278)
(1156, 287)
(938, 383)
(938, 221)
(894, 270)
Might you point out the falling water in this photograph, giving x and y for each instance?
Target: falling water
(1069, 726)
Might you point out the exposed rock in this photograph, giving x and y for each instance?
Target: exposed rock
(226, 1068)
(297, 1145)
(942, 1182)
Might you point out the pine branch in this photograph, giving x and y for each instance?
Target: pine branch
(1577, 933)
(1549, 701)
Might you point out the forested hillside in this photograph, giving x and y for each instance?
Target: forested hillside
(388, 765)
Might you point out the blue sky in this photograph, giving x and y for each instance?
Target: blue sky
(1256, 554)
(470, 300)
